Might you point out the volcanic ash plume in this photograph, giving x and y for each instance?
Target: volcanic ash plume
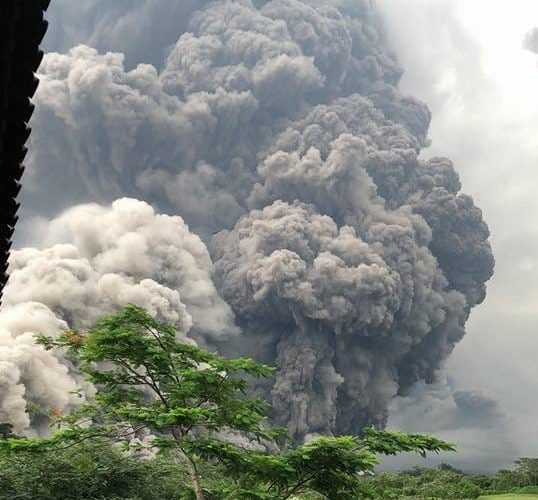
(28, 373)
(100, 259)
(277, 131)
(470, 418)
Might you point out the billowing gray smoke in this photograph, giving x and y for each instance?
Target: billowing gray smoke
(277, 131)
(470, 418)
(99, 259)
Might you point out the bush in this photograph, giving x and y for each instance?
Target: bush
(439, 483)
(96, 470)
(527, 490)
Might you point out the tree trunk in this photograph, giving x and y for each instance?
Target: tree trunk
(195, 478)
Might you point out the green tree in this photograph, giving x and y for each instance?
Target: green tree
(528, 468)
(442, 482)
(334, 467)
(186, 397)
(147, 380)
(89, 470)
(508, 480)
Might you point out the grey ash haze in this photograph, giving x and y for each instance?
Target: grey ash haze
(530, 42)
(277, 132)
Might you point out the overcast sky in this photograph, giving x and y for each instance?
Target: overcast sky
(465, 59)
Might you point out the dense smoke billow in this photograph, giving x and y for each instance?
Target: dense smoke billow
(276, 130)
(97, 260)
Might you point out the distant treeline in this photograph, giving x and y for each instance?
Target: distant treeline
(447, 482)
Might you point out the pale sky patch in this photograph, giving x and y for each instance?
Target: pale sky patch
(465, 59)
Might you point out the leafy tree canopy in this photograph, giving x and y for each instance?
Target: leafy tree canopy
(190, 401)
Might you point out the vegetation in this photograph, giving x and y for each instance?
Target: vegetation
(443, 482)
(511, 496)
(189, 405)
(92, 470)
(446, 482)
(100, 470)
(170, 421)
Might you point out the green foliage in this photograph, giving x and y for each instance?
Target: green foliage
(93, 470)
(148, 379)
(511, 496)
(528, 468)
(328, 466)
(483, 482)
(187, 399)
(514, 480)
(438, 483)
(394, 442)
(527, 490)
(447, 482)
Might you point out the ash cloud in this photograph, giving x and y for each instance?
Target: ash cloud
(30, 375)
(226, 89)
(277, 131)
(471, 418)
(530, 42)
(97, 259)
(142, 29)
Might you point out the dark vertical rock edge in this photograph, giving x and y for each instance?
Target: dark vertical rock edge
(22, 28)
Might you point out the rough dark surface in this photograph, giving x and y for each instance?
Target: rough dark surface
(22, 29)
